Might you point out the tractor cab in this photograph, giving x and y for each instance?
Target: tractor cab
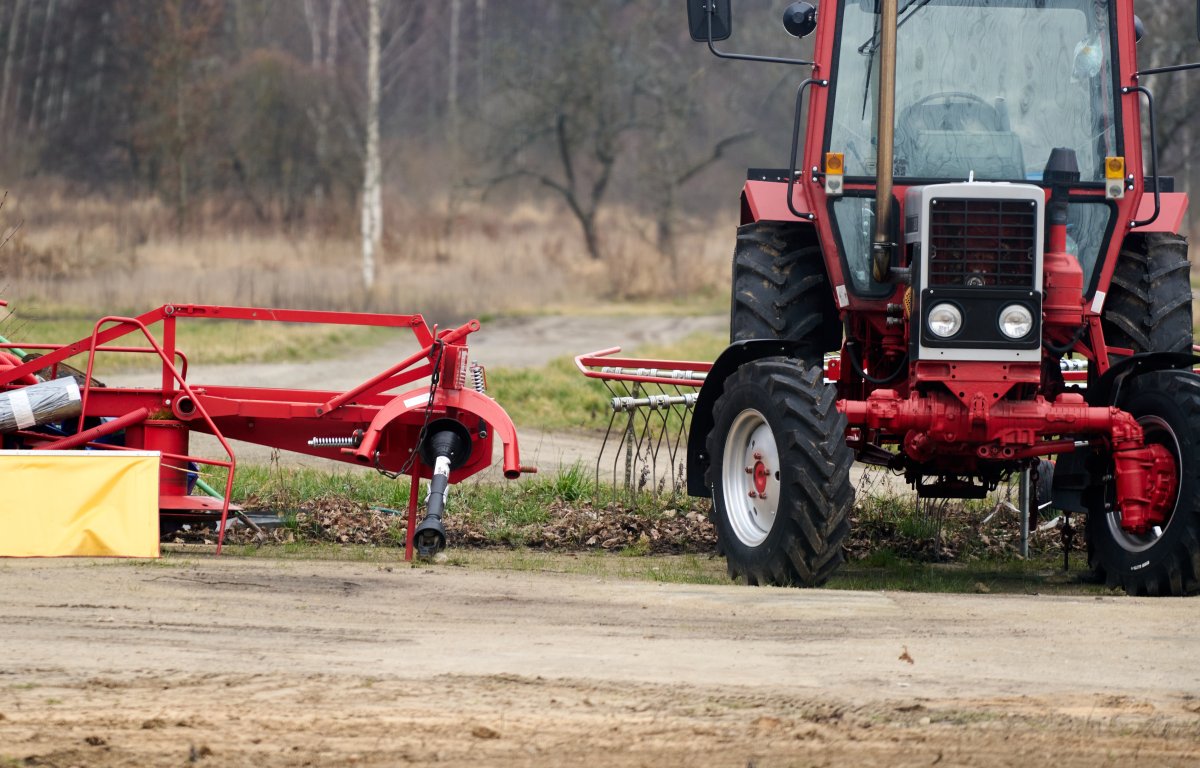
(984, 91)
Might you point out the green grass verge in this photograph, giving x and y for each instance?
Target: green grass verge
(557, 396)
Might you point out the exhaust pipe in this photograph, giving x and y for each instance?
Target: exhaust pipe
(882, 246)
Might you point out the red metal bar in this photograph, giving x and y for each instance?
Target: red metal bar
(373, 385)
(166, 361)
(602, 358)
(168, 332)
(86, 344)
(268, 314)
(87, 436)
(183, 361)
(370, 386)
(410, 533)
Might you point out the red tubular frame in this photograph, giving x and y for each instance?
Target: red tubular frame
(389, 425)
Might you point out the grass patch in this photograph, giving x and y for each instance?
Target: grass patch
(557, 396)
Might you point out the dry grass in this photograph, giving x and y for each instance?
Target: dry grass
(105, 254)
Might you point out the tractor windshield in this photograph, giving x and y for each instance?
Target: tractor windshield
(983, 87)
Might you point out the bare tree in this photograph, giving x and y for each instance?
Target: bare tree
(324, 36)
(14, 30)
(573, 113)
(47, 24)
(452, 69)
(480, 51)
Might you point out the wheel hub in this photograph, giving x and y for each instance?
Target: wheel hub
(1137, 526)
(761, 474)
(750, 477)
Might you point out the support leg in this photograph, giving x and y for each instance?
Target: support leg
(411, 530)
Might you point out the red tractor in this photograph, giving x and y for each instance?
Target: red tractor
(967, 218)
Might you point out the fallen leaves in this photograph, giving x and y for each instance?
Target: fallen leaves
(569, 526)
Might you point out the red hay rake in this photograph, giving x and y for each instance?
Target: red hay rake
(651, 405)
(442, 431)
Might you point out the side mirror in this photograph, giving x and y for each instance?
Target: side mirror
(702, 13)
(800, 19)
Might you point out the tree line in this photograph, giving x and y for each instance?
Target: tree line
(273, 104)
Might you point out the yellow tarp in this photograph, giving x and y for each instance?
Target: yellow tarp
(78, 503)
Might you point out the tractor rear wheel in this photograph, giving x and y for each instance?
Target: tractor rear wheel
(1149, 304)
(780, 474)
(781, 291)
(1166, 559)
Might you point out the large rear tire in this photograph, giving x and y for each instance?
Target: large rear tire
(1166, 559)
(1148, 309)
(781, 291)
(1149, 304)
(780, 474)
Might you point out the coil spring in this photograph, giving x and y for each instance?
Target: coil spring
(478, 379)
(336, 442)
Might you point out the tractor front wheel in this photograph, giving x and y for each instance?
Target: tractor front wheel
(1165, 560)
(780, 474)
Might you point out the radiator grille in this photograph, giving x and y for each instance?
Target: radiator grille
(990, 243)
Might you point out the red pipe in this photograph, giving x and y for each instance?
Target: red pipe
(107, 428)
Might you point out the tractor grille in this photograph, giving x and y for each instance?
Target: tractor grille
(982, 243)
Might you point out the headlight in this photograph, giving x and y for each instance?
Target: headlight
(1016, 321)
(945, 320)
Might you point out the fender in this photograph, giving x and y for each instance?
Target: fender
(767, 201)
(735, 356)
(448, 403)
(1172, 208)
(1107, 390)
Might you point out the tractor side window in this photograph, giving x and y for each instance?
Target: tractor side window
(981, 87)
(1087, 232)
(855, 217)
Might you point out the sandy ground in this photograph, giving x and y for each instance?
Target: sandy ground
(230, 662)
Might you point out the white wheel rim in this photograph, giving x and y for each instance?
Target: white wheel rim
(750, 477)
(1133, 542)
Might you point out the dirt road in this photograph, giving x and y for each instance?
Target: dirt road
(264, 663)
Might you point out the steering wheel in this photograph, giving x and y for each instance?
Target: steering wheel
(950, 111)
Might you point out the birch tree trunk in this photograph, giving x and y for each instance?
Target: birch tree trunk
(372, 197)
